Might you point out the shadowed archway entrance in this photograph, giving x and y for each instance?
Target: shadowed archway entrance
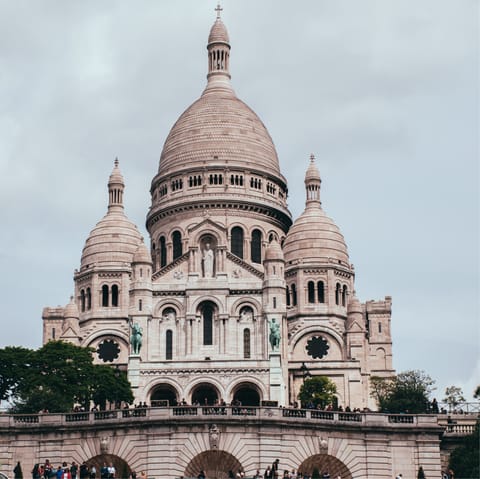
(164, 392)
(215, 465)
(205, 394)
(121, 467)
(247, 394)
(319, 464)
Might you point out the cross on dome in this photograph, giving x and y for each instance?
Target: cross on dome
(218, 10)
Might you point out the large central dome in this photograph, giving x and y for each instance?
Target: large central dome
(219, 129)
(219, 152)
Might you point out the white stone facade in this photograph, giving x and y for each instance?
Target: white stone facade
(224, 266)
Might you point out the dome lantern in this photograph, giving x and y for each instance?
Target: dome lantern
(312, 183)
(116, 185)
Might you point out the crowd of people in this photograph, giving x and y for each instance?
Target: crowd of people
(47, 470)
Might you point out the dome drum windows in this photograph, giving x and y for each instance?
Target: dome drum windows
(236, 180)
(177, 244)
(341, 293)
(163, 190)
(215, 179)
(194, 181)
(271, 188)
(177, 184)
(256, 183)
(236, 241)
(256, 246)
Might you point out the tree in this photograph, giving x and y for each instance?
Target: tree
(453, 397)
(464, 459)
(408, 392)
(14, 364)
(57, 376)
(476, 394)
(110, 385)
(317, 391)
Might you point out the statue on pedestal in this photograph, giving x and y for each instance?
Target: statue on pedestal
(136, 337)
(274, 335)
(208, 260)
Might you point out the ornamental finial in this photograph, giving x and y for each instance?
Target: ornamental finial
(218, 10)
(312, 157)
(116, 161)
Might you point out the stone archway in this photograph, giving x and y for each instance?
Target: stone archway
(215, 465)
(247, 394)
(162, 393)
(121, 467)
(205, 394)
(318, 464)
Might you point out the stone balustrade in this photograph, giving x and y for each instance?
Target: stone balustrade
(305, 417)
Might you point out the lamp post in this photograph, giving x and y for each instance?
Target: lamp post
(305, 372)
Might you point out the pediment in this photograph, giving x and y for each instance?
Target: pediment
(177, 271)
(237, 268)
(355, 327)
(69, 333)
(208, 224)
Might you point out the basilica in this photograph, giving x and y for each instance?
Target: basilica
(230, 299)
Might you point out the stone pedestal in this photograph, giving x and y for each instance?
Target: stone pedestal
(277, 383)
(134, 370)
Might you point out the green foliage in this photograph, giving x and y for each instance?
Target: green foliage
(14, 365)
(476, 394)
(57, 376)
(408, 392)
(464, 459)
(318, 391)
(453, 397)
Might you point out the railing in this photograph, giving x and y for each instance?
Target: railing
(460, 408)
(459, 424)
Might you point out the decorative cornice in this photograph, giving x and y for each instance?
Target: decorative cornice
(196, 371)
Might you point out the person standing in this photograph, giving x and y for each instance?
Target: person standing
(17, 471)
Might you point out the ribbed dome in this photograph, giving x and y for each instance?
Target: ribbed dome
(219, 128)
(142, 254)
(312, 172)
(113, 240)
(218, 33)
(274, 251)
(314, 237)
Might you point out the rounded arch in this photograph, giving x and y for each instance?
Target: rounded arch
(211, 382)
(204, 234)
(246, 393)
(237, 236)
(172, 303)
(300, 334)
(240, 303)
(122, 469)
(319, 464)
(217, 464)
(208, 298)
(205, 394)
(246, 381)
(164, 392)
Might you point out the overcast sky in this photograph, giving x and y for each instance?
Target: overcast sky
(384, 93)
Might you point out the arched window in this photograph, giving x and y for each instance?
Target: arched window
(344, 295)
(321, 292)
(163, 252)
(311, 292)
(169, 345)
(246, 343)
(114, 295)
(256, 246)
(287, 296)
(337, 293)
(237, 241)
(89, 298)
(294, 295)
(105, 296)
(82, 300)
(140, 304)
(177, 244)
(207, 315)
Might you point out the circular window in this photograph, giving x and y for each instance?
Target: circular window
(108, 350)
(317, 347)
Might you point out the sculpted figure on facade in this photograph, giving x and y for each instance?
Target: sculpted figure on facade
(208, 261)
(274, 335)
(136, 337)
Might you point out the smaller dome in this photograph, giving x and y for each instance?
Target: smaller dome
(315, 237)
(142, 254)
(354, 305)
(218, 33)
(71, 310)
(274, 252)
